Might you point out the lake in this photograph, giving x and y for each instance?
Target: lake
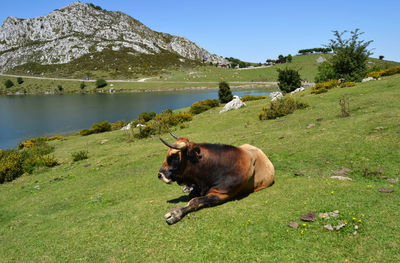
(25, 117)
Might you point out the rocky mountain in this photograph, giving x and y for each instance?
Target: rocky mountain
(86, 31)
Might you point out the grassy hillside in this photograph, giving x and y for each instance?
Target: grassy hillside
(168, 75)
(110, 207)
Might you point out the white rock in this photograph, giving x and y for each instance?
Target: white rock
(234, 104)
(367, 79)
(140, 125)
(275, 95)
(321, 59)
(127, 127)
(297, 90)
(341, 178)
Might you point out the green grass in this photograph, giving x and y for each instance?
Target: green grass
(110, 207)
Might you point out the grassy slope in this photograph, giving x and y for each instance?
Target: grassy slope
(204, 76)
(112, 210)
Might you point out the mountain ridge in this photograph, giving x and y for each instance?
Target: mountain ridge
(79, 29)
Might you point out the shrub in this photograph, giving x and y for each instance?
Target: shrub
(40, 141)
(118, 125)
(344, 106)
(251, 97)
(53, 138)
(224, 92)
(165, 120)
(11, 165)
(8, 83)
(146, 116)
(81, 155)
(325, 73)
(384, 72)
(102, 126)
(350, 61)
(347, 84)
(100, 83)
(281, 107)
(203, 105)
(86, 132)
(49, 161)
(146, 131)
(82, 85)
(324, 86)
(20, 80)
(289, 80)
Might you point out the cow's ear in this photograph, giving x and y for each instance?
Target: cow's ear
(194, 152)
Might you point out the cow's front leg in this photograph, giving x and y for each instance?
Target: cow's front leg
(177, 213)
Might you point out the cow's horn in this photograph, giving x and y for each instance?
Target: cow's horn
(177, 146)
(172, 134)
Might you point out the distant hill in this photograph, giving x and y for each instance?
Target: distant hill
(80, 39)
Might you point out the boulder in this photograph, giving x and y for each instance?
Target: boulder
(126, 128)
(321, 59)
(367, 79)
(234, 104)
(297, 90)
(275, 95)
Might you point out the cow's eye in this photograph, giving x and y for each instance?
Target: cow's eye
(173, 157)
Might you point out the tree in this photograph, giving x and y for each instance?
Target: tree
(381, 57)
(281, 59)
(289, 58)
(8, 83)
(289, 80)
(351, 55)
(100, 83)
(20, 80)
(224, 92)
(325, 72)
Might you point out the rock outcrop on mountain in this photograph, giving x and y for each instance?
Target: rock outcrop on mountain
(79, 29)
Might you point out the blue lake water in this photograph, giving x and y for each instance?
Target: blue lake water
(25, 117)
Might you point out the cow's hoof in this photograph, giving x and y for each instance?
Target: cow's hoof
(174, 215)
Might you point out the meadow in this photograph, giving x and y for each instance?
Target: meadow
(110, 207)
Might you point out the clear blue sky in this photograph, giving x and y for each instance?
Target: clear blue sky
(251, 30)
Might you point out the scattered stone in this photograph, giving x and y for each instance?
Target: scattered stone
(356, 227)
(309, 217)
(393, 180)
(355, 233)
(299, 173)
(379, 128)
(385, 190)
(321, 59)
(281, 137)
(367, 79)
(234, 104)
(37, 187)
(297, 90)
(275, 95)
(341, 178)
(57, 179)
(329, 227)
(343, 171)
(327, 215)
(86, 165)
(324, 215)
(320, 119)
(103, 141)
(334, 213)
(127, 127)
(310, 125)
(338, 227)
(293, 224)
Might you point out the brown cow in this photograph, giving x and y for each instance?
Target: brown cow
(215, 172)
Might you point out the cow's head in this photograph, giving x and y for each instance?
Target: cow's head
(178, 156)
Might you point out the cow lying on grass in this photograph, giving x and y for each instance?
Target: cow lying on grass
(215, 173)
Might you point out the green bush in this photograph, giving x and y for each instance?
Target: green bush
(82, 85)
(100, 83)
(86, 132)
(8, 83)
(60, 88)
(102, 126)
(81, 155)
(11, 165)
(49, 161)
(203, 105)
(281, 107)
(146, 116)
(165, 120)
(324, 86)
(251, 97)
(289, 80)
(118, 125)
(347, 84)
(146, 131)
(20, 80)
(325, 73)
(224, 92)
(384, 72)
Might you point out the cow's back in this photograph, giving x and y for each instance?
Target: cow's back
(261, 171)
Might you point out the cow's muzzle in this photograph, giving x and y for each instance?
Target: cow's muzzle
(163, 178)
